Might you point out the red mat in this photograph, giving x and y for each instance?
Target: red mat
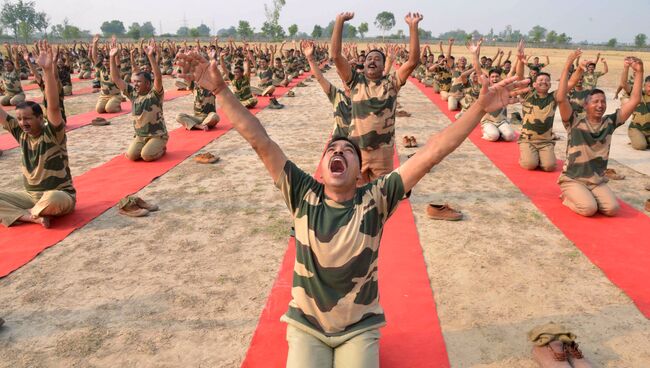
(30, 86)
(39, 99)
(621, 249)
(7, 141)
(96, 194)
(412, 337)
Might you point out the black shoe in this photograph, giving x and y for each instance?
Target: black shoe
(274, 104)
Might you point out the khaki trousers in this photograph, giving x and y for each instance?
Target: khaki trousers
(306, 351)
(492, 132)
(109, 104)
(10, 99)
(639, 140)
(375, 163)
(67, 90)
(453, 103)
(191, 121)
(587, 200)
(147, 148)
(534, 155)
(13, 205)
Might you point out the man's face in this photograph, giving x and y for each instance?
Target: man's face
(340, 165)
(533, 75)
(374, 65)
(9, 66)
(278, 64)
(579, 83)
(591, 68)
(263, 64)
(596, 105)
(29, 122)
(462, 62)
(141, 84)
(506, 67)
(106, 63)
(488, 62)
(483, 59)
(495, 78)
(536, 60)
(238, 73)
(542, 83)
(646, 88)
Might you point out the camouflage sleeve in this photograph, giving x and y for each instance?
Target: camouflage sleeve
(294, 184)
(395, 81)
(131, 94)
(614, 116)
(354, 78)
(331, 95)
(11, 125)
(56, 133)
(390, 192)
(571, 121)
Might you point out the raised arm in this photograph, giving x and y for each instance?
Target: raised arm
(442, 144)
(46, 61)
(561, 95)
(450, 63)
(404, 71)
(635, 97)
(605, 67)
(342, 66)
(308, 47)
(623, 84)
(115, 69)
(475, 49)
(548, 61)
(391, 51)
(153, 54)
(207, 75)
(93, 53)
(521, 56)
(37, 76)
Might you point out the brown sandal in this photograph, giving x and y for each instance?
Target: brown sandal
(561, 356)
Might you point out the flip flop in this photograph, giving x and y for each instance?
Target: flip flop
(206, 158)
(99, 122)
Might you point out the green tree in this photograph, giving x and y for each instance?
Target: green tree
(350, 31)
(537, 33)
(563, 39)
(271, 28)
(22, 18)
(183, 32)
(134, 31)
(227, 32)
(203, 31)
(640, 40)
(244, 30)
(385, 21)
(612, 42)
(114, 27)
(194, 32)
(317, 32)
(293, 29)
(363, 29)
(147, 30)
(551, 37)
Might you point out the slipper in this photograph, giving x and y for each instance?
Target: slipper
(611, 174)
(406, 141)
(551, 355)
(146, 205)
(443, 212)
(414, 143)
(575, 356)
(206, 158)
(403, 114)
(99, 121)
(301, 84)
(291, 94)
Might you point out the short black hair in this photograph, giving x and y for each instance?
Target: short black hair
(539, 74)
(241, 68)
(383, 56)
(357, 150)
(494, 70)
(647, 79)
(146, 75)
(36, 108)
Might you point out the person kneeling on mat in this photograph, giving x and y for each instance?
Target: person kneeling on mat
(338, 226)
(151, 135)
(46, 173)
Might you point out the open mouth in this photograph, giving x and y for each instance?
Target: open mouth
(372, 66)
(337, 165)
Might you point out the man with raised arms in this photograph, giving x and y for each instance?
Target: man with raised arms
(334, 314)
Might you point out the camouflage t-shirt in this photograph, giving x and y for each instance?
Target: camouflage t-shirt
(148, 119)
(44, 158)
(444, 78)
(577, 99)
(537, 115)
(41, 85)
(373, 110)
(641, 115)
(265, 74)
(125, 65)
(495, 117)
(11, 82)
(335, 287)
(589, 80)
(108, 88)
(588, 148)
(342, 112)
(204, 101)
(278, 75)
(537, 67)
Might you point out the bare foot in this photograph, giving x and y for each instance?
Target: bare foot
(43, 220)
(204, 127)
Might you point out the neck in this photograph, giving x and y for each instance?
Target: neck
(340, 195)
(594, 119)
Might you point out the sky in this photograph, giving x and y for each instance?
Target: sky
(593, 21)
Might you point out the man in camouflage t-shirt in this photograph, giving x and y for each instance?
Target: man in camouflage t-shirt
(46, 173)
(495, 125)
(110, 98)
(13, 89)
(583, 181)
(334, 314)
(205, 116)
(639, 129)
(374, 98)
(146, 95)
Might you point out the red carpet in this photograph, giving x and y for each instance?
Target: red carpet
(621, 249)
(7, 141)
(96, 194)
(75, 93)
(30, 86)
(412, 337)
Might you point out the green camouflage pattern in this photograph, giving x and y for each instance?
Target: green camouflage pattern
(641, 116)
(265, 74)
(495, 117)
(335, 287)
(148, 119)
(44, 161)
(588, 148)
(577, 99)
(342, 112)
(204, 101)
(241, 87)
(41, 86)
(590, 80)
(537, 114)
(108, 88)
(443, 76)
(125, 65)
(373, 110)
(11, 82)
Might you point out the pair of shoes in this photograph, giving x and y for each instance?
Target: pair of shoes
(560, 354)
(443, 212)
(133, 206)
(99, 121)
(409, 142)
(206, 158)
(301, 84)
(403, 114)
(291, 94)
(611, 174)
(274, 104)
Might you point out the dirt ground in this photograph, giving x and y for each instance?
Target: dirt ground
(185, 286)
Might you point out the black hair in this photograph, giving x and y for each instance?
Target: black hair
(590, 64)
(383, 56)
(507, 62)
(540, 74)
(241, 69)
(647, 79)
(357, 150)
(36, 108)
(146, 75)
(596, 91)
(494, 70)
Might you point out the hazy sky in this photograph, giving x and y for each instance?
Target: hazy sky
(594, 21)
